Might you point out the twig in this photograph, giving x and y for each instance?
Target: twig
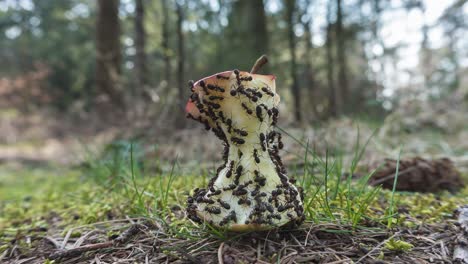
(128, 234)
(220, 253)
(460, 254)
(121, 239)
(79, 250)
(259, 64)
(377, 247)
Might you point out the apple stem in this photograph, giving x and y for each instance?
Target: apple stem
(259, 64)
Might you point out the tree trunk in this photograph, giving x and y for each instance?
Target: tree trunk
(308, 70)
(108, 57)
(140, 43)
(246, 32)
(290, 11)
(165, 41)
(259, 29)
(180, 63)
(340, 52)
(333, 95)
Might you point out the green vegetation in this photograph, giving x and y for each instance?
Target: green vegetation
(49, 198)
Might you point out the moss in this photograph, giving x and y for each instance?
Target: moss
(398, 245)
(47, 199)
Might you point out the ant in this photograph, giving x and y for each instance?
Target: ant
(202, 199)
(227, 218)
(275, 115)
(236, 72)
(254, 192)
(283, 208)
(270, 208)
(214, 97)
(191, 86)
(195, 97)
(229, 172)
(280, 143)
(237, 141)
(276, 216)
(221, 115)
(244, 201)
(217, 192)
(203, 86)
(239, 191)
(259, 179)
(257, 159)
(213, 210)
(224, 204)
(267, 91)
(241, 132)
(215, 88)
(238, 173)
(230, 187)
(249, 78)
(247, 109)
(214, 105)
(262, 141)
(258, 112)
(229, 124)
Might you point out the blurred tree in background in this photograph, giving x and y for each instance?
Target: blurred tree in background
(338, 57)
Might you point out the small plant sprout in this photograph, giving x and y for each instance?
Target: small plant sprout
(250, 190)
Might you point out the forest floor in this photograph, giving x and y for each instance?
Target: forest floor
(126, 202)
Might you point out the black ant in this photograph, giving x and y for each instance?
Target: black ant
(213, 210)
(214, 97)
(267, 91)
(203, 86)
(195, 97)
(227, 218)
(224, 204)
(254, 192)
(238, 174)
(277, 216)
(214, 105)
(230, 187)
(202, 199)
(271, 136)
(258, 111)
(221, 115)
(190, 84)
(233, 92)
(275, 115)
(259, 179)
(262, 141)
(212, 114)
(215, 88)
(229, 172)
(236, 72)
(249, 78)
(239, 191)
(244, 201)
(257, 159)
(217, 192)
(247, 109)
(241, 132)
(283, 208)
(270, 208)
(237, 141)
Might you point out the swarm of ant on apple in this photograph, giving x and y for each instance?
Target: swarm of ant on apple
(250, 190)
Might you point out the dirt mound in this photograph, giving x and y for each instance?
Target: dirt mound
(419, 175)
